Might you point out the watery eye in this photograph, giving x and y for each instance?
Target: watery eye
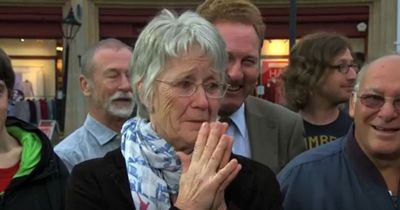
(184, 84)
(212, 86)
(375, 97)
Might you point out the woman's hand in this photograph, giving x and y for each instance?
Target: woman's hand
(208, 171)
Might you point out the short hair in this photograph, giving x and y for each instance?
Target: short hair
(6, 71)
(309, 61)
(87, 59)
(165, 37)
(241, 11)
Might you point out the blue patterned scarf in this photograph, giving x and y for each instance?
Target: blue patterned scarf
(152, 165)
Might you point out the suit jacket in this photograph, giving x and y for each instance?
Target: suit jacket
(275, 133)
(102, 183)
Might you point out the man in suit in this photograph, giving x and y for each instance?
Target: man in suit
(263, 131)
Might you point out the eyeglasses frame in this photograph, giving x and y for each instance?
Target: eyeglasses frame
(172, 84)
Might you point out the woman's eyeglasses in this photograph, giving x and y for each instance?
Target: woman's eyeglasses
(374, 101)
(187, 88)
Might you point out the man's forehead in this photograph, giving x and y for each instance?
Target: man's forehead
(386, 70)
(386, 62)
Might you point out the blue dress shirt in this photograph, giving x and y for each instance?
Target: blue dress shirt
(238, 129)
(92, 140)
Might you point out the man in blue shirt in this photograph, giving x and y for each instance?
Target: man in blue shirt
(362, 169)
(105, 83)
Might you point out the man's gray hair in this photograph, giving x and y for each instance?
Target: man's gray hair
(166, 37)
(87, 62)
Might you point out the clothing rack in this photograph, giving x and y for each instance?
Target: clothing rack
(33, 109)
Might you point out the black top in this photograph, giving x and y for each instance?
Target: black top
(317, 135)
(44, 187)
(102, 183)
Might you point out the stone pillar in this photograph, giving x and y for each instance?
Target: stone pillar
(88, 35)
(382, 28)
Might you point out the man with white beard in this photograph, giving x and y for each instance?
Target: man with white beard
(105, 83)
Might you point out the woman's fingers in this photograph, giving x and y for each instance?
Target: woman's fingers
(208, 172)
(212, 142)
(219, 201)
(201, 141)
(224, 127)
(207, 139)
(218, 154)
(212, 148)
(228, 151)
(231, 177)
(228, 172)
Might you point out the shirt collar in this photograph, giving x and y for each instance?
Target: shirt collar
(239, 119)
(101, 133)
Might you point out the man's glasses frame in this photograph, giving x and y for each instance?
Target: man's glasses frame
(375, 101)
(345, 68)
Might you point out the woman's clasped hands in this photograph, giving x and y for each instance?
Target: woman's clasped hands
(208, 170)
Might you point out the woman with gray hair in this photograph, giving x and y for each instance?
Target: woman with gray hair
(174, 154)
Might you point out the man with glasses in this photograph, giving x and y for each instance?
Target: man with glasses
(318, 80)
(362, 169)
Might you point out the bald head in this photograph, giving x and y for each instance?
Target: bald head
(384, 63)
(376, 110)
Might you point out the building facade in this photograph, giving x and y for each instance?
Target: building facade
(370, 24)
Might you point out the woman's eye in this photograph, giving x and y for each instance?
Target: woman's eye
(375, 98)
(212, 86)
(184, 84)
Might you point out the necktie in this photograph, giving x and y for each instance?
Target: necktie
(239, 144)
(227, 120)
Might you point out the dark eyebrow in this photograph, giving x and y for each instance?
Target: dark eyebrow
(251, 57)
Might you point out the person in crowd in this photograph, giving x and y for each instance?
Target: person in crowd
(105, 83)
(174, 155)
(31, 174)
(263, 131)
(319, 79)
(362, 169)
